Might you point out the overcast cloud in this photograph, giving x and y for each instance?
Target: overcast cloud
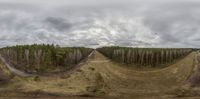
(94, 23)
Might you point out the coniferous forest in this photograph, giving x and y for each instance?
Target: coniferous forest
(144, 56)
(43, 58)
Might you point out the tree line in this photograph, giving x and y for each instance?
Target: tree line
(43, 58)
(144, 56)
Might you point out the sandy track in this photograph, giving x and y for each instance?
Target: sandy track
(123, 80)
(14, 70)
(24, 74)
(99, 74)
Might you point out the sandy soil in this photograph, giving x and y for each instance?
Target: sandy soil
(99, 77)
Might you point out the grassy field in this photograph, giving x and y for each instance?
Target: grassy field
(100, 77)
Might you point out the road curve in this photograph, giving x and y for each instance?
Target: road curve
(100, 74)
(14, 70)
(24, 74)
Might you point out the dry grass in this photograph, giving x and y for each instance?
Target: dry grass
(101, 76)
(5, 75)
(4, 69)
(193, 89)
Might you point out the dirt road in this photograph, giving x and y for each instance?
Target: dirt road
(14, 70)
(24, 74)
(101, 76)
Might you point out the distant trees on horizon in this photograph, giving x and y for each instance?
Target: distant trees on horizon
(49, 57)
(43, 57)
(144, 56)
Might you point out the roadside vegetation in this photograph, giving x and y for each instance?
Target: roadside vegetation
(144, 56)
(43, 58)
(101, 78)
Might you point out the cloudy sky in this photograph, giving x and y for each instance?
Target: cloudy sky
(94, 23)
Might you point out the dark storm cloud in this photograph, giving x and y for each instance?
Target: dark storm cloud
(153, 23)
(58, 23)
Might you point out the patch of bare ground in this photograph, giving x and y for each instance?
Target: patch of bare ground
(192, 89)
(101, 78)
